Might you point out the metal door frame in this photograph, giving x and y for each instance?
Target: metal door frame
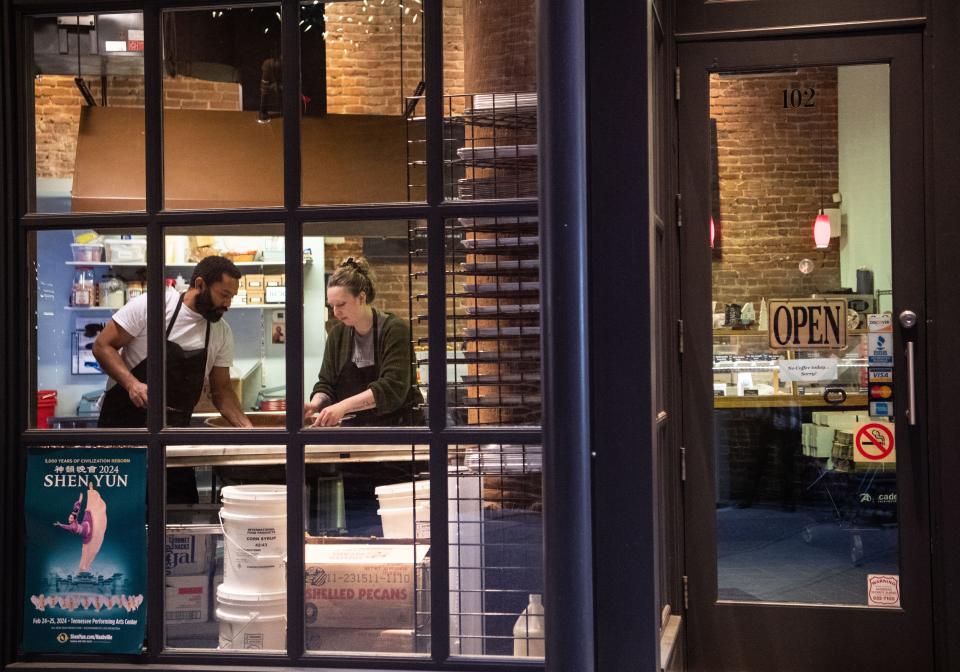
(772, 636)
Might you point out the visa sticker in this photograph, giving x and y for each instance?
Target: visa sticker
(881, 375)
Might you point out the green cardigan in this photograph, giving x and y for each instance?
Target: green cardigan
(390, 390)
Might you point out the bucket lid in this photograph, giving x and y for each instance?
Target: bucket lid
(395, 489)
(252, 596)
(265, 492)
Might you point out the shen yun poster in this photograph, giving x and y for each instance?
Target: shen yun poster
(86, 571)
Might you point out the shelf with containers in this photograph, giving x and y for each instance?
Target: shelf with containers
(79, 285)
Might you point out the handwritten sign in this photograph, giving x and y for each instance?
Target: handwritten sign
(808, 370)
(808, 324)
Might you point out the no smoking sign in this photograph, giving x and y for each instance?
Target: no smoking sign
(874, 443)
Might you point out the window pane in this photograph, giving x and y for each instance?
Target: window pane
(360, 61)
(81, 279)
(490, 103)
(493, 331)
(365, 354)
(88, 93)
(803, 427)
(222, 130)
(495, 509)
(367, 546)
(226, 547)
(232, 284)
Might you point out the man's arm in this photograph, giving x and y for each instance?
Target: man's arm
(106, 350)
(225, 399)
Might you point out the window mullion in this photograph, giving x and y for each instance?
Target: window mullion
(296, 468)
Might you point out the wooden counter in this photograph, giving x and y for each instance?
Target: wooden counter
(789, 401)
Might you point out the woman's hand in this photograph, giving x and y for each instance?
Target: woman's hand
(312, 408)
(330, 416)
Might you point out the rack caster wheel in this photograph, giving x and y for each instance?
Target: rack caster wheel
(856, 550)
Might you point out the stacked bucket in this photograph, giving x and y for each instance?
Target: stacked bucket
(252, 600)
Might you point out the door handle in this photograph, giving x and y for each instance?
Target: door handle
(911, 388)
(908, 319)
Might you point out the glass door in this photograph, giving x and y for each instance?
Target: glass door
(803, 270)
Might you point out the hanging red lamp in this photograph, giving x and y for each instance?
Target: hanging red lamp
(713, 232)
(821, 231)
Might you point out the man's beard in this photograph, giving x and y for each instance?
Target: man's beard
(206, 308)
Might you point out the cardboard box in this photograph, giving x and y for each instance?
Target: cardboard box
(189, 554)
(360, 640)
(242, 283)
(254, 281)
(363, 586)
(187, 599)
(256, 297)
(276, 294)
(273, 280)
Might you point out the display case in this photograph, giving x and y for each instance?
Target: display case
(748, 373)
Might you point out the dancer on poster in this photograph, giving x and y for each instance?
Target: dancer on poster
(92, 528)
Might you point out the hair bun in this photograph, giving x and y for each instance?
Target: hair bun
(360, 265)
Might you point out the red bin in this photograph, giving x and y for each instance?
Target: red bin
(46, 407)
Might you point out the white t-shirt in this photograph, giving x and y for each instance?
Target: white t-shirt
(188, 332)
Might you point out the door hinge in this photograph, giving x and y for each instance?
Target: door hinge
(676, 82)
(678, 210)
(686, 593)
(683, 463)
(680, 335)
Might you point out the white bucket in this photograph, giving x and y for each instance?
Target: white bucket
(251, 620)
(254, 523)
(402, 516)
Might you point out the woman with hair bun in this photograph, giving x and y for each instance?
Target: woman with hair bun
(367, 376)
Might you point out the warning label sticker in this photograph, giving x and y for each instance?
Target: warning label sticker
(874, 443)
(883, 590)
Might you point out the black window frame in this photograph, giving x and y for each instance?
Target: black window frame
(293, 215)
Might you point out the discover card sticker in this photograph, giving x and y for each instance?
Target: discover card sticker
(86, 567)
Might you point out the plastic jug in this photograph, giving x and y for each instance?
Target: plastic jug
(528, 630)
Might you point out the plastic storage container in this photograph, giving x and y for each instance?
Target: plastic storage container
(251, 619)
(528, 630)
(87, 252)
(402, 515)
(84, 291)
(126, 251)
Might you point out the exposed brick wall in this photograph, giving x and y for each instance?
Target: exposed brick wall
(501, 39)
(370, 69)
(777, 167)
(187, 93)
(58, 103)
(393, 289)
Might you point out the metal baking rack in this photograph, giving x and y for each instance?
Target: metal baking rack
(493, 352)
(496, 549)
(492, 263)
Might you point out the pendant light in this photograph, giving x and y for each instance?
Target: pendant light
(821, 231)
(713, 232)
(821, 225)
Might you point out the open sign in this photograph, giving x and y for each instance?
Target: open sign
(808, 324)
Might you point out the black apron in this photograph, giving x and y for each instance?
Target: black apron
(186, 370)
(353, 380)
